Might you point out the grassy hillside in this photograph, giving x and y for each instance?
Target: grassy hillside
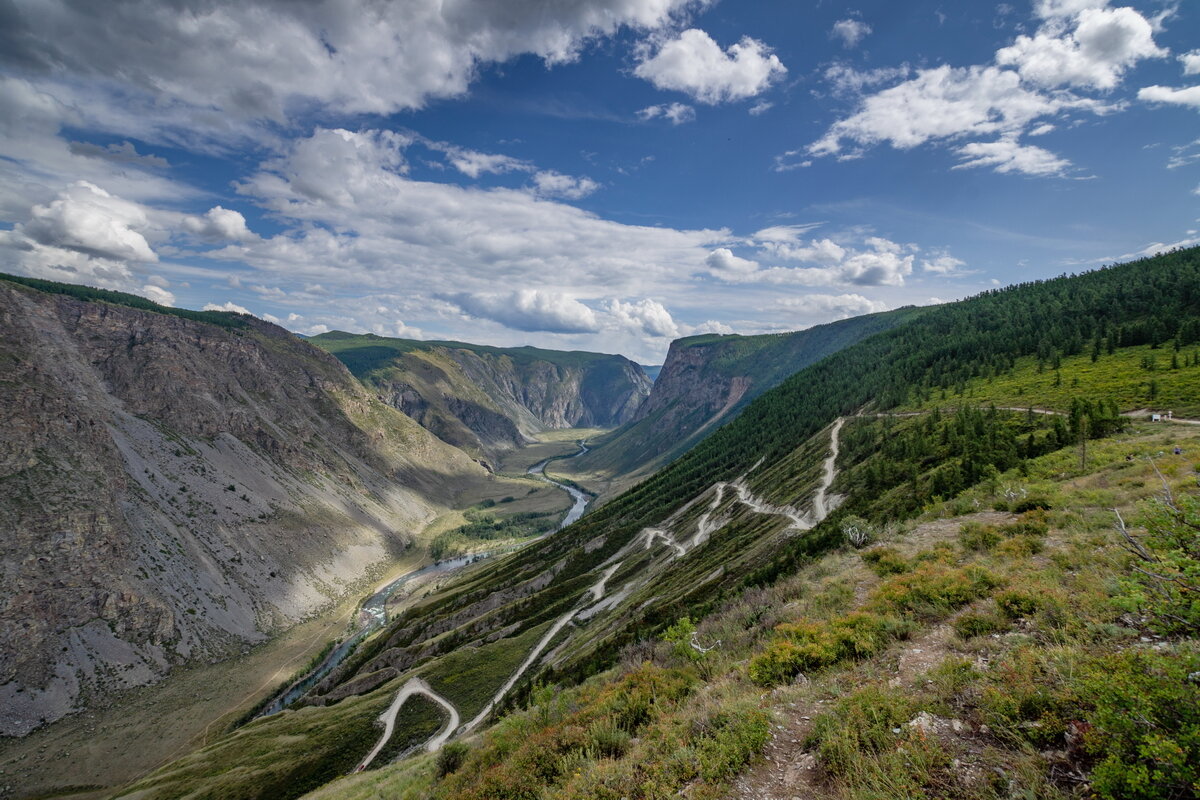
(967, 653)
(1145, 376)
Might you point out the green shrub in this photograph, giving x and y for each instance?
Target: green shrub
(974, 536)
(860, 634)
(1015, 604)
(1165, 582)
(680, 636)
(885, 561)
(1032, 504)
(807, 646)
(932, 591)
(860, 725)
(734, 736)
(1020, 547)
(1028, 697)
(451, 757)
(1032, 523)
(1146, 724)
(608, 740)
(797, 648)
(941, 553)
(973, 624)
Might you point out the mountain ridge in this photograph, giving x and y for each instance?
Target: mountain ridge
(179, 489)
(487, 399)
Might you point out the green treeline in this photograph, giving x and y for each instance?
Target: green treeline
(224, 319)
(893, 467)
(482, 527)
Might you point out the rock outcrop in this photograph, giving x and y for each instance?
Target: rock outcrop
(173, 490)
(706, 380)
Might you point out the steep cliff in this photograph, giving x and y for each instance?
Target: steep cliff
(489, 399)
(172, 489)
(706, 380)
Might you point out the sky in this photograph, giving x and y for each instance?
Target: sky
(602, 175)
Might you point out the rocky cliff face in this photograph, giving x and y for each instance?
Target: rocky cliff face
(172, 490)
(489, 399)
(707, 379)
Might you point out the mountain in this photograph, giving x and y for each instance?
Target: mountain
(652, 370)
(707, 380)
(178, 485)
(657, 621)
(490, 399)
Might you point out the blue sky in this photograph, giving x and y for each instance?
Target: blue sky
(590, 174)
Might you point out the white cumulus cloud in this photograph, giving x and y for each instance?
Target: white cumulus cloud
(158, 294)
(872, 261)
(1191, 62)
(1078, 46)
(1103, 44)
(88, 219)
(348, 56)
(944, 264)
(530, 310)
(722, 262)
(549, 183)
(228, 305)
(695, 64)
(645, 317)
(1188, 96)
(840, 306)
(1006, 155)
(219, 224)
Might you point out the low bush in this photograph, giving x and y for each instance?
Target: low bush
(885, 561)
(1028, 695)
(973, 624)
(450, 758)
(860, 725)
(734, 736)
(1032, 523)
(1032, 504)
(974, 536)
(1145, 726)
(1015, 604)
(1165, 581)
(932, 591)
(1020, 547)
(808, 646)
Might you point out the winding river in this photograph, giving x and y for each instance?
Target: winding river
(538, 470)
(373, 614)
